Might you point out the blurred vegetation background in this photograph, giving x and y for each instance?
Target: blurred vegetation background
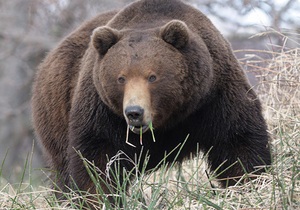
(29, 29)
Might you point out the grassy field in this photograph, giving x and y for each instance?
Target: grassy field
(188, 186)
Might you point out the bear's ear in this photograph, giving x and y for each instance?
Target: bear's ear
(104, 38)
(175, 33)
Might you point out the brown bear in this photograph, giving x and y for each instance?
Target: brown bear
(155, 63)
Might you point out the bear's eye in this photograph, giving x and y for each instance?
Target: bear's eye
(121, 80)
(152, 78)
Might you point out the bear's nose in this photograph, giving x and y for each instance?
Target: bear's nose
(135, 115)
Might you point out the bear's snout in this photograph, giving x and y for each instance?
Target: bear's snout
(135, 115)
(135, 118)
(137, 105)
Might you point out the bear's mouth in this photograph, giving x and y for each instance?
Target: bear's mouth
(139, 129)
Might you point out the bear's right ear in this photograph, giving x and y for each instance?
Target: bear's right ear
(175, 33)
(104, 38)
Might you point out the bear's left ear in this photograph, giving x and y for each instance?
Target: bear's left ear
(104, 38)
(175, 33)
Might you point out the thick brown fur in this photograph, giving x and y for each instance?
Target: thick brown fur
(166, 58)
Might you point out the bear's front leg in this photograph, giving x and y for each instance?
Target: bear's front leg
(92, 175)
(238, 157)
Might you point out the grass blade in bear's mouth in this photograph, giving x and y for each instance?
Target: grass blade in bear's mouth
(137, 130)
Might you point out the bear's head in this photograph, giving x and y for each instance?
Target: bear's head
(158, 75)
